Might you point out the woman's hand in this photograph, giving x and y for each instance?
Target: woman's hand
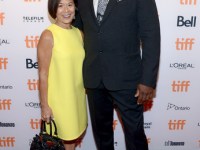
(46, 114)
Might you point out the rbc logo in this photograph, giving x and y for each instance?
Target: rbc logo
(30, 64)
(187, 23)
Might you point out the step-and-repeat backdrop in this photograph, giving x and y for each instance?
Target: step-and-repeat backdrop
(172, 119)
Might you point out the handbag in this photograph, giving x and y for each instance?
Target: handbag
(45, 141)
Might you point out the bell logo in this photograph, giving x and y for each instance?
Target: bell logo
(35, 123)
(187, 23)
(184, 44)
(7, 141)
(33, 84)
(30, 64)
(180, 86)
(5, 104)
(31, 41)
(3, 63)
(115, 122)
(176, 124)
(2, 17)
(188, 2)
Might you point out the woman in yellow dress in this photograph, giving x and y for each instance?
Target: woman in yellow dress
(60, 58)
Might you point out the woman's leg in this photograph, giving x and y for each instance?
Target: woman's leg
(69, 146)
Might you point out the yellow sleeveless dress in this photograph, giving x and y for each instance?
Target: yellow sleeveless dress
(66, 93)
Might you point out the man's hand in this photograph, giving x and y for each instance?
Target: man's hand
(144, 93)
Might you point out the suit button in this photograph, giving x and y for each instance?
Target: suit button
(100, 51)
(99, 33)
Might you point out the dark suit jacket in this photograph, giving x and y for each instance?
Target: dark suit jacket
(113, 48)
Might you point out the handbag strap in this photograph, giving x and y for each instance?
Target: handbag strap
(43, 127)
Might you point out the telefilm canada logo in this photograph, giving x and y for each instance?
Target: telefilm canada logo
(182, 66)
(171, 106)
(33, 19)
(4, 42)
(30, 1)
(172, 143)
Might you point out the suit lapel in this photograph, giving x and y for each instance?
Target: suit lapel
(109, 8)
(92, 11)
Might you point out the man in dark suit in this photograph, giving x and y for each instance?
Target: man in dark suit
(122, 45)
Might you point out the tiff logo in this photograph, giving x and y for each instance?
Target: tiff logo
(2, 17)
(187, 23)
(33, 85)
(7, 141)
(35, 123)
(3, 63)
(188, 2)
(180, 86)
(176, 124)
(31, 41)
(184, 44)
(5, 104)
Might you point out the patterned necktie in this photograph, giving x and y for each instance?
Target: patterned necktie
(102, 4)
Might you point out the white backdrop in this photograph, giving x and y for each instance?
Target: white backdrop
(172, 120)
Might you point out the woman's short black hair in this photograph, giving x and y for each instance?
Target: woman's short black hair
(52, 7)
